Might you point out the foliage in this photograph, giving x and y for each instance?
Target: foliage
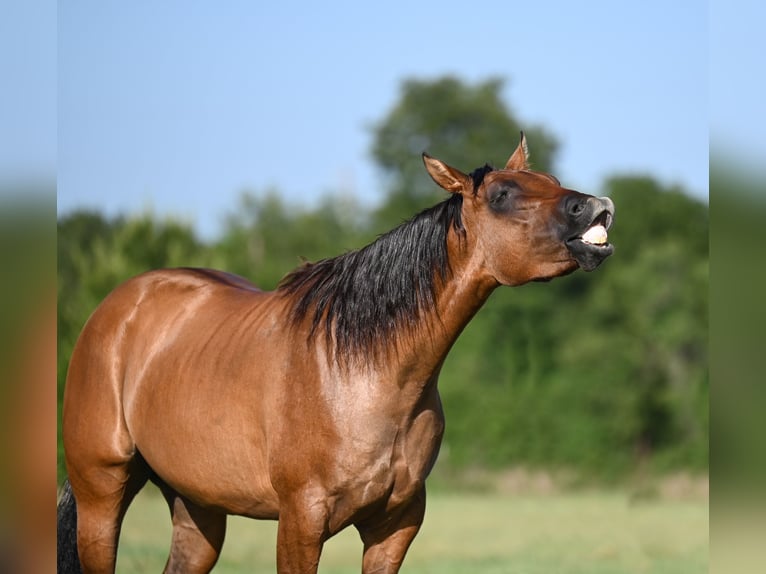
(266, 238)
(603, 373)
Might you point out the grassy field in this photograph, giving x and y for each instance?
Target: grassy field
(582, 533)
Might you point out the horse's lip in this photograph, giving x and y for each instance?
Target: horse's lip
(604, 217)
(605, 248)
(588, 255)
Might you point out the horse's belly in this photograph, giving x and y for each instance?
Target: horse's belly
(211, 473)
(206, 445)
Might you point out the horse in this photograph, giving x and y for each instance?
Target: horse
(315, 404)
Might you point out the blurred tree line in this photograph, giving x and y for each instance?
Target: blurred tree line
(598, 373)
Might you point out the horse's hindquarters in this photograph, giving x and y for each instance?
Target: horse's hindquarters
(162, 369)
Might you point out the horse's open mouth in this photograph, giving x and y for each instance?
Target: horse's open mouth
(591, 247)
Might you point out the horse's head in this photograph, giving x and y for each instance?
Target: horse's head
(527, 226)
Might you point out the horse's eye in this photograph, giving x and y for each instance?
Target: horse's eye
(501, 201)
(500, 196)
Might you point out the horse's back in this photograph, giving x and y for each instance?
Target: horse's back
(148, 305)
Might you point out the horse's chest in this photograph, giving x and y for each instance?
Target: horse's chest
(392, 461)
(416, 455)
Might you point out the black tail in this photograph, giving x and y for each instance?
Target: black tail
(67, 560)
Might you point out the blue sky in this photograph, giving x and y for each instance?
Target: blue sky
(180, 106)
(736, 84)
(28, 100)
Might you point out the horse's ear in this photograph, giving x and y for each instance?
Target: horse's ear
(519, 158)
(449, 178)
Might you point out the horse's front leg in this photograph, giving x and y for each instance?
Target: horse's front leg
(387, 539)
(301, 534)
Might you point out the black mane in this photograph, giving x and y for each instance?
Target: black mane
(362, 297)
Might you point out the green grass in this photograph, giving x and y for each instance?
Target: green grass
(576, 533)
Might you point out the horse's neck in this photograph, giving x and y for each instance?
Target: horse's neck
(457, 301)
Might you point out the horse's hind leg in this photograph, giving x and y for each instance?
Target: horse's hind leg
(198, 535)
(103, 495)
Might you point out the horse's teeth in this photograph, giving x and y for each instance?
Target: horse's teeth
(596, 235)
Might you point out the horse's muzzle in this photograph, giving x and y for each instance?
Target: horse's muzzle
(588, 243)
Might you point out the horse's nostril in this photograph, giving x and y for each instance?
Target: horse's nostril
(576, 209)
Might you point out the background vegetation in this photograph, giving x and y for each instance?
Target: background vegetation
(602, 375)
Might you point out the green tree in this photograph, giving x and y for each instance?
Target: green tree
(266, 237)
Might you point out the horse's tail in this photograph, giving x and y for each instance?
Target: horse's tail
(67, 559)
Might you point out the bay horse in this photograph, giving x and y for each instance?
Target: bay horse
(315, 404)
